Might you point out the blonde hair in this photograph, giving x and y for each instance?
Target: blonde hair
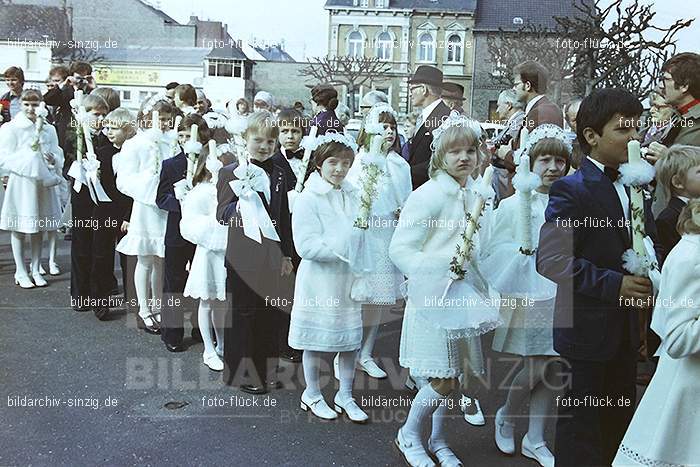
(122, 118)
(677, 162)
(689, 218)
(264, 123)
(454, 136)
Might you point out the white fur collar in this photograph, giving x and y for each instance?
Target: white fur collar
(318, 185)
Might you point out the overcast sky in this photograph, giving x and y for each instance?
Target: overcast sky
(303, 24)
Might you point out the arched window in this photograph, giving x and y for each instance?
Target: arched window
(454, 49)
(355, 44)
(426, 48)
(384, 46)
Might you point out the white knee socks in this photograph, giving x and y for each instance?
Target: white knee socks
(17, 242)
(371, 317)
(204, 321)
(424, 405)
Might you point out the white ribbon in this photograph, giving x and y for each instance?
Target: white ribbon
(77, 171)
(250, 181)
(97, 193)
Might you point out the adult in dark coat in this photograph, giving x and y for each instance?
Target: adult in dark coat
(426, 89)
(326, 98)
(453, 96)
(254, 282)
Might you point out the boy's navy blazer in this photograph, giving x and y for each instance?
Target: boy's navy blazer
(585, 262)
(242, 252)
(173, 170)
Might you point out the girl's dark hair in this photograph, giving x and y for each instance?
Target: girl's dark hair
(685, 70)
(364, 139)
(245, 102)
(187, 94)
(599, 107)
(291, 117)
(204, 134)
(325, 95)
(323, 152)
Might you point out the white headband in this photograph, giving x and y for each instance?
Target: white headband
(313, 143)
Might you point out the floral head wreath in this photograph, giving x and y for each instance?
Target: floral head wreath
(455, 119)
(313, 143)
(372, 125)
(546, 130)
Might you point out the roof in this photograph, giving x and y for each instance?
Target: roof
(34, 23)
(420, 5)
(160, 13)
(174, 56)
(492, 15)
(274, 53)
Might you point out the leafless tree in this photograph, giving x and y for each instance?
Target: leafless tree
(597, 47)
(351, 72)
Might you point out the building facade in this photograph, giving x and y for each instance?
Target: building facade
(405, 34)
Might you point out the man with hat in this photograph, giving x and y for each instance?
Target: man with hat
(426, 88)
(453, 95)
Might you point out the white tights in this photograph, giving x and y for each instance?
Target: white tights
(17, 243)
(208, 316)
(533, 381)
(148, 280)
(311, 361)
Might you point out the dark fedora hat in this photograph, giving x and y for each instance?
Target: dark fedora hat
(453, 91)
(426, 74)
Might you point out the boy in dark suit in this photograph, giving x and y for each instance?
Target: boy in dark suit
(178, 251)
(255, 269)
(678, 174)
(595, 323)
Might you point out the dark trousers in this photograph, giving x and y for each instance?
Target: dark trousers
(251, 333)
(589, 435)
(92, 262)
(174, 303)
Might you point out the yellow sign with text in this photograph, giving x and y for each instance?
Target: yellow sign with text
(133, 76)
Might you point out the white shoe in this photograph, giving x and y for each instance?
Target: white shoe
(504, 434)
(369, 366)
(318, 407)
(444, 455)
(476, 419)
(24, 281)
(53, 269)
(213, 361)
(38, 280)
(411, 383)
(413, 452)
(336, 367)
(538, 452)
(351, 409)
(219, 352)
(41, 270)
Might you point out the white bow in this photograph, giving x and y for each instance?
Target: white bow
(97, 193)
(251, 180)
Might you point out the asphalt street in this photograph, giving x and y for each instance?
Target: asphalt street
(106, 393)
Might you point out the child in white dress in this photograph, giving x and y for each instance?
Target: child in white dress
(207, 275)
(665, 430)
(30, 155)
(528, 308)
(435, 332)
(378, 290)
(324, 317)
(138, 174)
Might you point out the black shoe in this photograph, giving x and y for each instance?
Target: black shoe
(150, 330)
(101, 313)
(250, 389)
(175, 347)
(274, 385)
(196, 335)
(291, 356)
(81, 308)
